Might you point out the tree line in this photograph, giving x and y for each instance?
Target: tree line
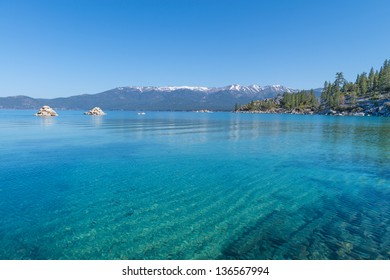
(299, 101)
(343, 93)
(337, 95)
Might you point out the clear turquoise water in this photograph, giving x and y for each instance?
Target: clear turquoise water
(194, 186)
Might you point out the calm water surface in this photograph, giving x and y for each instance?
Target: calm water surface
(193, 186)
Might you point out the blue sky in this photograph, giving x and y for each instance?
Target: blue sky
(61, 48)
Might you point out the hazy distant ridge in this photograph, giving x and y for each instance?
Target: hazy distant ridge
(154, 98)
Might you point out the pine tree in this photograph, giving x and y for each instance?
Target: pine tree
(252, 105)
(313, 100)
(384, 77)
(376, 82)
(339, 81)
(371, 76)
(324, 99)
(363, 85)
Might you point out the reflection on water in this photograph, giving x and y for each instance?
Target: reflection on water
(47, 121)
(194, 186)
(96, 120)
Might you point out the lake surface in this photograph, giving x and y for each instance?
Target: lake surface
(180, 185)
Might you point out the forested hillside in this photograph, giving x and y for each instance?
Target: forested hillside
(369, 94)
(374, 86)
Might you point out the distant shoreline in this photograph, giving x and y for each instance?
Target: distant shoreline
(332, 113)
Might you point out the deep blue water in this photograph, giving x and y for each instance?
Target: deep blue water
(176, 185)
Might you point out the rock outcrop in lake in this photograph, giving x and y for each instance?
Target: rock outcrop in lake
(46, 111)
(96, 111)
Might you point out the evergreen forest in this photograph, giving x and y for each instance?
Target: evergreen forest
(369, 94)
(373, 86)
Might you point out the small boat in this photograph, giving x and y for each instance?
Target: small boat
(141, 113)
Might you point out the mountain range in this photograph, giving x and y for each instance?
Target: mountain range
(175, 98)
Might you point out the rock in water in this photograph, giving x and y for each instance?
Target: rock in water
(46, 111)
(96, 111)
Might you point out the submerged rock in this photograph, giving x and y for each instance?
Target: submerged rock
(96, 111)
(46, 111)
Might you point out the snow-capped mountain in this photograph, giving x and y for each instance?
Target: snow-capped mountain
(166, 89)
(257, 89)
(158, 98)
(233, 87)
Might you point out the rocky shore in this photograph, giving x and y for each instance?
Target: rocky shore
(363, 107)
(380, 108)
(280, 111)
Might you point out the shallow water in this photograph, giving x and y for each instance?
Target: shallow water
(175, 185)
